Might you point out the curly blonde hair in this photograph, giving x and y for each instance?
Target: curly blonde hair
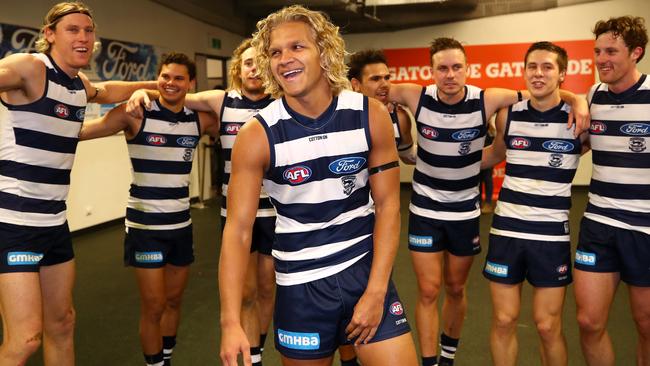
(234, 71)
(52, 18)
(326, 35)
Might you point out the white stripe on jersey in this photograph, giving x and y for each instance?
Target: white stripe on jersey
(163, 153)
(446, 196)
(161, 180)
(446, 148)
(337, 143)
(31, 218)
(551, 130)
(629, 112)
(156, 126)
(227, 141)
(618, 175)
(136, 225)
(62, 94)
(159, 206)
(47, 124)
(237, 114)
(615, 223)
(448, 173)
(464, 120)
(539, 158)
(56, 192)
(317, 252)
(328, 190)
(42, 158)
(529, 236)
(530, 213)
(261, 212)
(537, 186)
(613, 143)
(296, 278)
(444, 215)
(286, 225)
(620, 203)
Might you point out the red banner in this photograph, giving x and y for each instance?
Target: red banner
(499, 65)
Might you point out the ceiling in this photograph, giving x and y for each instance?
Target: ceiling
(359, 16)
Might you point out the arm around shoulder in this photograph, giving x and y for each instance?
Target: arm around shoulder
(113, 91)
(496, 152)
(114, 121)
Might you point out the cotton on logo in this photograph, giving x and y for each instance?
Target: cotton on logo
(61, 110)
(297, 174)
(232, 128)
(520, 143)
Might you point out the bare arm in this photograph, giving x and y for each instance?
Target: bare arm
(206, 101)
(113, 91)
(114, 121)
(579, 111)
(384, 186)
(248, 166)
(14, 70)
(407, 94)
(209, 124)
(406, 149)
(496, 152)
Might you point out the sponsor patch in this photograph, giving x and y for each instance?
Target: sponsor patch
(396, 308)
(156, 140)
(297, 174)
(519, 143)
(636, 129)
(61, 110)
(148, 257)
(232, 128)
(465, 135)
(187, 141)
(23, 258)
(562, 269)
(585, 258)
(348, 165)
(421, 241)
(495, 269)
(296, 340)
(81, 114)
(429, 133)
(597, 127)
(558, 146)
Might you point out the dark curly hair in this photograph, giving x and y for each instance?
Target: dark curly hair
(360, 59)
(631, 29)
(180, 59)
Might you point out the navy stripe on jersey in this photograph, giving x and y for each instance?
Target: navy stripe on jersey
(159, 193)
(157, 218)
(32, 173)
(640, 219)
(160, 167)
(620, 159)
(631, 191)
(540, 173)
(541, 228)
(61, 110)
(12, 202)
(442, 161)
(537, 200)
(394, 117)
(445, 184)
(45, 141)
(327, 210)
(420, 200)
(333, 259)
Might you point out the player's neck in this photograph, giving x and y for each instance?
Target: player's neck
(626, 82)
(72, 72)
(547, 102)
(451, 99)
(172, 106)
(253, 95)
(313, 104)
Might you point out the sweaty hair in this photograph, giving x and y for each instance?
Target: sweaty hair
(631, 29)
(562, 57)
(360, 59)
(53, 17)
(326, 36)
(180, 59)
(234, 71)
(444, 43)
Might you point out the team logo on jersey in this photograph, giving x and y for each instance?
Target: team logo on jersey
(519, 143)
(297, 174)
(188, 154)
(23, 258)
(232, 128)
(348, 182)
(562, 269)
(296, 340)
(555, 160)
(429, 132)
(347, 165)
(187, 141)
(81, 114)
(636, 129)
(396, 308)
(465, 135)
(61, 110)
(156, 140)
(637, 144)
(558, 146)
(597, 127)
(464, 148)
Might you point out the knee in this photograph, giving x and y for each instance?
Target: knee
(642, 322)
(504, 322)
(590, 323)
(549, 328)
(249, 299)
(63, 323)
(455, 291)
(174, 302)
(153, 308)
(429, 293)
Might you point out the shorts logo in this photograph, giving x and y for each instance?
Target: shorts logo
(156, 140)
(421, 241)
(297, 174)
(498, 270)
(81, 114)
(61, 110)
(465, 135)
(566, 227)
(148, 257)
(464, 148)
(562, 269)
(587, 259)
(302, 341)
(636, 129)
(558, 146)
(396, 308)
(347, 165)
(555, 160)
(23, 258)
(348, 182)
(637, 144)
(188, 154)
(232, 128)
(429, 132)
(187, 141)
(519, 143)
(597, 127)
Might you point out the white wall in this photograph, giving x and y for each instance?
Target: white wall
(559, 24)
(102, 171)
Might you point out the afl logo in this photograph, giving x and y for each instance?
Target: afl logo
(519, 143)
(186, 141)
(156, 140)
(347, 165)
(558, 146)
(232, 128)
(396, 308)
(636, 129)
(597, 127)
(61, 110)
(465, 135)
(297, 174)
(562, 269)
(429, 132)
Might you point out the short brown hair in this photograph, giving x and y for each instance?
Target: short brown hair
(631, 29)
(53, 17)
(180, 59)
(444, 43)
(360, 59)
(562, 57)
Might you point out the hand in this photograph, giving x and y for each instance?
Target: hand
(135, 103)
(234, 342)
(366, 318)
(579, 112)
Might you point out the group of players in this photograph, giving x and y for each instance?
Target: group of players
(312, 187)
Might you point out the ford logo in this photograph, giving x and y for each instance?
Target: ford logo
(558, 146)
(156, 140)
(429, 132)
(519, 143)
(465, 135)
(636, 129)
(347, 165)
(297, 174)
(186, 141)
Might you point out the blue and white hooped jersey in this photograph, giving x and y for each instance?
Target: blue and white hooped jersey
(450, 144)
(161, 155)
(394, 117)
(235, 111)
(619, 192)
(37, 146)
(318, 183)
(541, 160)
